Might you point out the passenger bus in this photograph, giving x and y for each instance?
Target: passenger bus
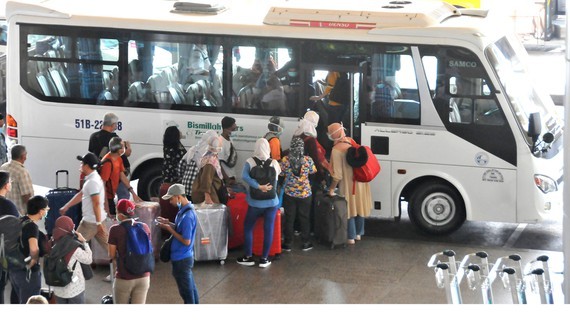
(443, 98)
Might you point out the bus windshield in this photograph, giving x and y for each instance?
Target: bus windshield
(519, 88)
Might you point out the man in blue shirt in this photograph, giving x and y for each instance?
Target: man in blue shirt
(183, 231)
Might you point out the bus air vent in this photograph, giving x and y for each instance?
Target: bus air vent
(205, 7)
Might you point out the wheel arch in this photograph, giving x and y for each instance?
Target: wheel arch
(144, 166)
(408, 189)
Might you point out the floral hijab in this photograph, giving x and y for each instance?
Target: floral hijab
(196, 152)
(211, 156)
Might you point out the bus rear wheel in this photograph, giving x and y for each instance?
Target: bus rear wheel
(436, 208)
(149, 183)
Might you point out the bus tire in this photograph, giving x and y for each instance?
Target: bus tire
(436, 208)
(149, 183)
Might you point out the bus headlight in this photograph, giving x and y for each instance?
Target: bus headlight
(545, 183)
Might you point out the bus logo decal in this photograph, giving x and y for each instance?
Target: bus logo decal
(332, 24)
(462, 64)
(481, 159)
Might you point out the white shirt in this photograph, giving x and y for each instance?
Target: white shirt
(93, 185)
(224, 155)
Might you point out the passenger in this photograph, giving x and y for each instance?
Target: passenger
(7, 207)
(228, 154)
(27, 281)
(172, 151)
(3, 146)
(112, 172)
(208, 187)
(266, 208)
(37, 299)
(275, 127)
(199, 64)
(65, 236)
(188, 166)
(296, 168)
(307, 130)
(92, 199)
(337, 91)
(127, 288)
(183, 231)
(99, 145)
(22, 187)
(274, 98)
(359, 199)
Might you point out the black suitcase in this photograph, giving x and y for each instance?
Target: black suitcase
(57, 198)
(331, 219)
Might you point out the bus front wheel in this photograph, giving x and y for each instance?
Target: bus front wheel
(436, 208)
(149, 183)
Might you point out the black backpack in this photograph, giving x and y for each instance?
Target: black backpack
(55, 268)
(263, 173)
(341, 90)
(11, 246)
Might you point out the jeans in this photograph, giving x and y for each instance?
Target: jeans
(355, 227)
(182, 272)
(24, 288)
(3, 281)
(78, 299)
(297, 208)
(123, 192)
(253, 213)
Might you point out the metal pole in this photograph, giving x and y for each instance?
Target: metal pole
(512, 280)
(538, 277)
(547, 282)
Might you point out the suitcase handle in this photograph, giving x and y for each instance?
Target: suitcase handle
(57, 177)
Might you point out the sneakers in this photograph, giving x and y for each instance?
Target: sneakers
(297, 233)
(307, 246)
(264, 262)
(285, 248)
(107, 278)
(246, 260)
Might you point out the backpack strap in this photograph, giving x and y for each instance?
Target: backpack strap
(257, 161)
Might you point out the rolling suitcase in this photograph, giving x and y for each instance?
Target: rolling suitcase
(57, 198)
(331, 219)
(238, 209)
(275, 249)
(211, 240)
(147, 212)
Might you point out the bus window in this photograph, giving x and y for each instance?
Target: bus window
(395, 97)
(262, 79)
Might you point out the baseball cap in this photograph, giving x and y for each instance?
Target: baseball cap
(90, 160)
(174, 190)
(126, 207)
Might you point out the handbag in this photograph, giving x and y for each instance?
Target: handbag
(87, 271)
(165, 249)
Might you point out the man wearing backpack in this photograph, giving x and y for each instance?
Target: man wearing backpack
(128, 287)
(7, 207)
(26, 281)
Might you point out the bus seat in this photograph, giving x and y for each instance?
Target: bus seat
(158, 87)
(246, 97)
(32, 76)
(407, 108)
(454, 115)
(177, 93)
(193, 95)
(46, 84)
(60, 82)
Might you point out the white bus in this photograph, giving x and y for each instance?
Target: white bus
(443, 98)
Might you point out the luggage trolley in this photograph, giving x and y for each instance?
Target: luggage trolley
(445, 269)
(538, 275)
(509, 269)
(477, 275)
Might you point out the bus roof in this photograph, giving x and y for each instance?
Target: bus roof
(265, 18)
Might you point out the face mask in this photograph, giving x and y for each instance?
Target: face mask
(292, 73)
(179, 205)
(331, 134)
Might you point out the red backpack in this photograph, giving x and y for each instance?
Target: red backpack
(364, 164)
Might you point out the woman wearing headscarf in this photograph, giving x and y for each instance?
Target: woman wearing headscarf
(209, 184)
(172, 151)
(296, 168)
(307, 131)
(188, 166)
(77, 251)
(266, 208)
(359, 199)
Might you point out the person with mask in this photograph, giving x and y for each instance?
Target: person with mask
(208, 185)
(296, 168)
(357, 194)
(27, 281)
(275, 127)
(228, 154)
(112, 172)
(65, 236)
(183, 231)
(188, 166)
(266, 208)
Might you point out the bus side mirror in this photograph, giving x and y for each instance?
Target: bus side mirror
(534, 127)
